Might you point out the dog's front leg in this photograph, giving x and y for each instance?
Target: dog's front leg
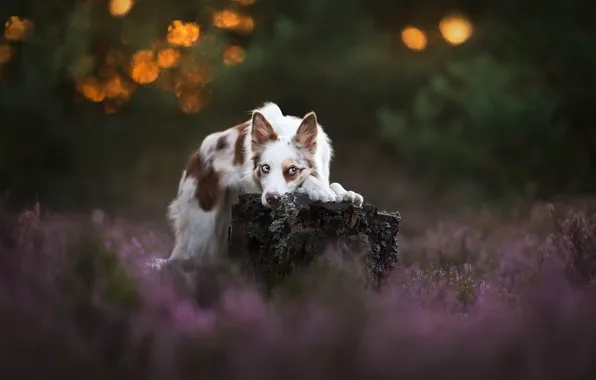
(317, 191)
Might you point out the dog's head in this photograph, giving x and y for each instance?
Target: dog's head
(282, 163)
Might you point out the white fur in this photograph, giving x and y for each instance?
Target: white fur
(201, 236)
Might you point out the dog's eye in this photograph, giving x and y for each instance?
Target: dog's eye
(265, 168)
(292, 170)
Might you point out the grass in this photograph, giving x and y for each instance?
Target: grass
(498, 297)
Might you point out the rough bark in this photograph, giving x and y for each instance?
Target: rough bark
(271, 243)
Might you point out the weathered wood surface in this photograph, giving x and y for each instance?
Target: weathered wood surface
(271, 243)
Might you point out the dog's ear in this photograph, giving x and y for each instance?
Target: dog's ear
(262, 131)
(306, 135)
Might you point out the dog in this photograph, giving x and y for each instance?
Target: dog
(271, 153)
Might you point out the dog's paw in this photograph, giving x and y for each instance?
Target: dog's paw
(354, 198)
(344, 195)
(319, 193)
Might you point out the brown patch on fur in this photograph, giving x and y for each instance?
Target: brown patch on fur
(208, 191)
(255, 160)
(256, 173)
(285, 166)
(239, 153)
(302, 173)
(222, 143)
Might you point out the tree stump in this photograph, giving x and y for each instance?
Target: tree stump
(272, 243)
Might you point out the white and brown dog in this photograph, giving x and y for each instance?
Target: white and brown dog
(272, 154)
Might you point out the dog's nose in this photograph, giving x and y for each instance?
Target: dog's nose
(272, 198)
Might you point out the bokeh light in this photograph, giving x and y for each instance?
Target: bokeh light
(246, 25)
(117, 88)
(414, 38)
(228, 19)
(6, 53)
(234, 54)
(144, 68)
(92, 89)
(167, 58)
(183, 33)
(120, 7)
(17, 29)
(455, 29)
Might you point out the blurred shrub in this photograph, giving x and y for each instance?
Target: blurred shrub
(490, 123)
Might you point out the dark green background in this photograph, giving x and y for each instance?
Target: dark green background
(509, 113)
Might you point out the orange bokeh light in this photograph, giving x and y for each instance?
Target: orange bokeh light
(183, 33)
(234, 54)
(92, 89)
(117, 88)
(227, 19)
(120, 7)
(168, 58)
(455, 29)
(17, 29)
(114, 90)
(414, 38)
(247, 25)
(144, 68)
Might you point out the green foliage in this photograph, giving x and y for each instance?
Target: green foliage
(484, 120)
(506, 114)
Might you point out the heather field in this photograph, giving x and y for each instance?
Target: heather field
(485, 296)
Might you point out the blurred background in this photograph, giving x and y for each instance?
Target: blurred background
(435, 104)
